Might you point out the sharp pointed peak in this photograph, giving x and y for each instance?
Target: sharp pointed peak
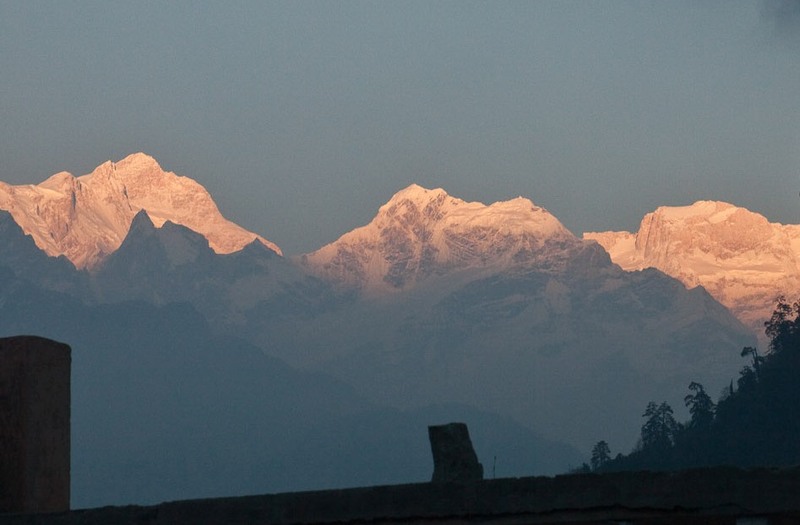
(420, 232)
(257, 246)
(142, 219)
(416, 189)
(134, 165)
(88, 217)
(517, 203)
(138, 156)
(422, 197)
(417, 193)
(137, 160)
(58, 181)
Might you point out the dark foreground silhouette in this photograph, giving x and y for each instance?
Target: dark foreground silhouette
(756, 421)
(715, 496)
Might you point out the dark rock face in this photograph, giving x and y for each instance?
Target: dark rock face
(454, 459)
(34, 425)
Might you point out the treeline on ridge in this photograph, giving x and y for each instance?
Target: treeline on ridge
(756, 421)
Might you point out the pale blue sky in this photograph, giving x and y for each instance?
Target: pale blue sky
(302, 118)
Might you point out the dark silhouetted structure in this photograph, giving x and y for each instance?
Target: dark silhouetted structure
(454, 459)
(34, 424)
(722, 496)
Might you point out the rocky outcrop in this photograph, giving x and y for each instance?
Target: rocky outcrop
(454, 459)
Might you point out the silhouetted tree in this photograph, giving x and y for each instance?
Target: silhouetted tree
(701, 407)
(660, 429)
(783, 327)
(601, 455)
(757, 359)
(756, 424)
(583, 469)
(747, 378)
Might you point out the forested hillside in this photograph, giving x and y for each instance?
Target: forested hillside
(755, 422)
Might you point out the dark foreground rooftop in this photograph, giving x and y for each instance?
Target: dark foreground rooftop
(713, 496)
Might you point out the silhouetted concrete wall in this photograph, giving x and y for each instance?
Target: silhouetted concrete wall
(720, 496)
(34, 424)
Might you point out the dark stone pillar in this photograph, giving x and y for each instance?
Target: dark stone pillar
(34, 424)
(454, 459)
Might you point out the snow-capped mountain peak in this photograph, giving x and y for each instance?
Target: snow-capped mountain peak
(86, 218)
(421, 231)
(741, 258)
(418, 194)
(517, 215)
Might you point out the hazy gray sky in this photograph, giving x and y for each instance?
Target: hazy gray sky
(302, 118)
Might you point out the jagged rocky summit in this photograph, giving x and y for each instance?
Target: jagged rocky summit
(86, 218)
(743, 260)
(422, 232)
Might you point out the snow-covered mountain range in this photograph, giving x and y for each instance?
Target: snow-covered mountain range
(494, 305)
(86, 218)
(741, 258)
(435, 302)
